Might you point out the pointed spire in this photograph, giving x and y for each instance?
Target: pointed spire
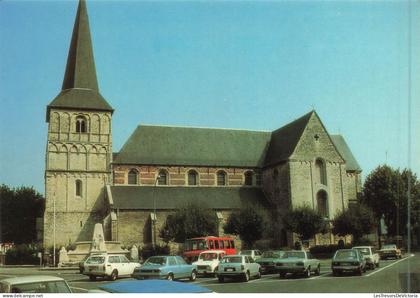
(80, 87)
(80, 69)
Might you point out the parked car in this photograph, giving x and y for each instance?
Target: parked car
(269, 259)
(82, 262)
(254, 253)
(208, 261)
(34, 284)
(165, 267)
(370, 255)
(238, 266)
(111, 266)
(150, 286)
(298, 262)
(345, 260)
(390, 251)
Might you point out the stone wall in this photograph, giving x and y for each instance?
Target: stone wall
(135, 226)
(77, 170)
(70, 227)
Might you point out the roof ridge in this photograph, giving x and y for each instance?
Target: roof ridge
(200, 127)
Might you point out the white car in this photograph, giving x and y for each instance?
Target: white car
(370, 255)
(238, 266)
(208, 261)
(254, 253)
(109, 265)
(34, 284)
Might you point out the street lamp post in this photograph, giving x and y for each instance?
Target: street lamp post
(154, 211)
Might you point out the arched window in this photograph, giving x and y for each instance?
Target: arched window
(248, 178)
(79, 188)
(80, 124)
(221, 178)
(132, 177)
(162, 178)
(321, 173)
(192, 177)
(322, 203)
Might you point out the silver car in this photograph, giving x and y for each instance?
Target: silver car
(298, 262)
(34, 284)
(238, 266)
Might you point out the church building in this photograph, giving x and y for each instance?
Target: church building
(160, 168)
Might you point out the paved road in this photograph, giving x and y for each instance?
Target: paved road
(391, 276)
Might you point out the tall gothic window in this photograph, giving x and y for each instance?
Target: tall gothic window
(321, 173)
(248, 178)
(192, 177)
(322, 202)
(221, 178)
(80, 124)
(162, 178)
(78, 188)
(132, 177)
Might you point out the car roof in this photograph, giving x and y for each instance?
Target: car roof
(153, 286)
(212, 251)
(361, 246)
(228, 256)
(30, 279)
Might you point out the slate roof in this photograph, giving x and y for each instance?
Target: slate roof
(170, 198)
(163, 145)
(344, 150)
(284, 140)
(80, 86)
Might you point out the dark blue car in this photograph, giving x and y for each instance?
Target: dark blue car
(151, 286)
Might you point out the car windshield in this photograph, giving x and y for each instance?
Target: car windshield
(41, 287)
(364, 251)
(389, 246)
(271, 254)
(208, 256)
(195, 244)
(95, 260)
(232, 260)
(246, 252)
(295, 254)
(346, 254)
(156, 261)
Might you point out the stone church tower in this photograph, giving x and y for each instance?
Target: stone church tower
(79, 146)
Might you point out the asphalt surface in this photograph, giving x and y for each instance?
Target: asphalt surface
(393, 276)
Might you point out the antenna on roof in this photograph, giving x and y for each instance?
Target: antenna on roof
(386, 156)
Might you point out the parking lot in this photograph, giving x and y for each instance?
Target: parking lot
(391, 276)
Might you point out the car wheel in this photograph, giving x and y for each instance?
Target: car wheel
(193, 276)
(114, 275)
(360, 271)
(247, 276)
(170, 277)
(308, 272)
(318, 270)
(92, 277)
(259, 274)
(221, 278)
(282, 275)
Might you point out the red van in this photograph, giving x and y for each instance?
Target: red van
(194, 246)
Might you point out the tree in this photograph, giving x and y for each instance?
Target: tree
(357, 220)
(305, 222)
(386, 192)
(191, 220)
(19, 208)
(248, 223)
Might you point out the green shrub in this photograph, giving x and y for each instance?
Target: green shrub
(22, 254)
(150, 251)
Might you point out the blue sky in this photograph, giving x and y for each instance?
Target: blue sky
(231, 64)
